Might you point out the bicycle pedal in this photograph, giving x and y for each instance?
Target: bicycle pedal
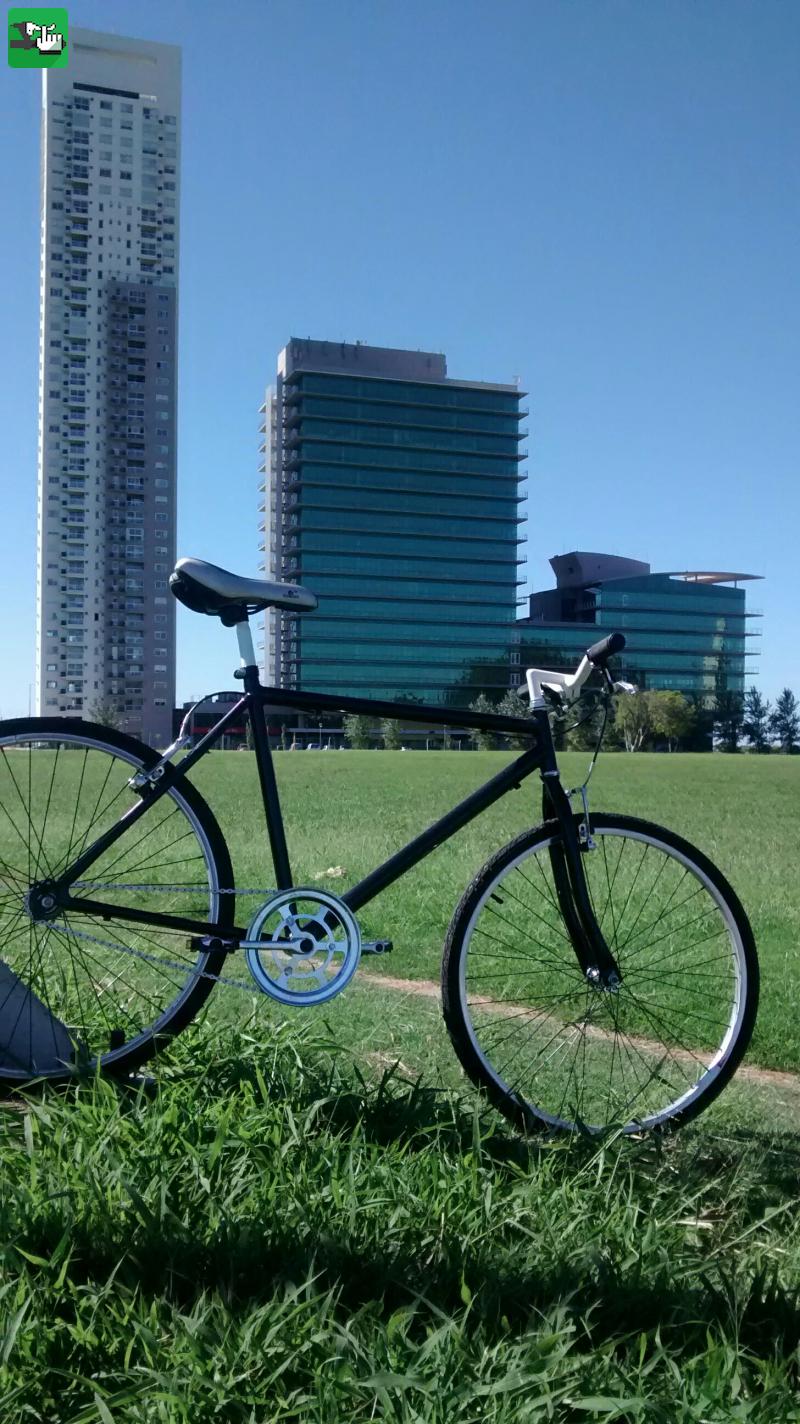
(212, 942)
(376, 946)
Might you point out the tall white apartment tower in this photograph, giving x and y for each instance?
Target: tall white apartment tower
(107, 382)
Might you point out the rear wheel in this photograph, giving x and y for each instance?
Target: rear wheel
(77, 991)
(558, 1053)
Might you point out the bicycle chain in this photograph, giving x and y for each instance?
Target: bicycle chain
(249, 986)
(173, 889)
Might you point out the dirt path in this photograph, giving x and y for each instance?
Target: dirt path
(429, 989)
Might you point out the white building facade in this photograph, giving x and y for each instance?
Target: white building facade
(107, 384)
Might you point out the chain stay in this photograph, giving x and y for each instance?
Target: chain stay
(247, 986)
(182, 968)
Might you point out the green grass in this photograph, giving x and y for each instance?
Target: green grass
(316, 1220)
(277, 1237)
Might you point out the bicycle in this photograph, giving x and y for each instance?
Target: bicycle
(598, 971)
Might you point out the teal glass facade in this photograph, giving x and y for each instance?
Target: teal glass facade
(685, 633)
(400, 507)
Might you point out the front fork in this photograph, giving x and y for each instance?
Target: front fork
(566, 858)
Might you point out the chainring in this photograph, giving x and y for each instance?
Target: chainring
(303, 946)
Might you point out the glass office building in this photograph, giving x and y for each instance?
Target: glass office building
(686, 632)
(394, 493)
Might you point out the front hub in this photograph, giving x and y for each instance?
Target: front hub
(608, 982)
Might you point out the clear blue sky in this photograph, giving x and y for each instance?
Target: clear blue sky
(599, 196)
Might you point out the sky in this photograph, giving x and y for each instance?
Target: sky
(600, 197)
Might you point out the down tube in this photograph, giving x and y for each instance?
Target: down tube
(410, 855)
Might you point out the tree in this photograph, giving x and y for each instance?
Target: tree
(357, 730)
(728, 711)
(633, 719)
(484, 741)
(106, 713)
(390, 731)
(701, 734)
(513, 704)
(757, 714)
(671, 716)
(728, 719)
(785, 721)
(585, 734)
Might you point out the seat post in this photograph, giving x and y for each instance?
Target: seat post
(244, 637)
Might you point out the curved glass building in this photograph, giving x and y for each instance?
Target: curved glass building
(686, 632)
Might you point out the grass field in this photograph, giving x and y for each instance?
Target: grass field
(316, 1219)
(353, 810)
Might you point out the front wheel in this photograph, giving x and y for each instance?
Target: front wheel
(555, 1052)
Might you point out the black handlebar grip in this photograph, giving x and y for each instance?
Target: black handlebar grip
(606, 648)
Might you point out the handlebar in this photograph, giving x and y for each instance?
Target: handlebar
(567, 687)
(599, 653)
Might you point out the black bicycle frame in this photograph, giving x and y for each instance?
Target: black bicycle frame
(570, 881)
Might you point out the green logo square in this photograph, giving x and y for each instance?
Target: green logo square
(37, 39)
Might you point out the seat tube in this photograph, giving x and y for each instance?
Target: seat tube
(266, 775)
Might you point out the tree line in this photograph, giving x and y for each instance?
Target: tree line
(653, 720)
(642, 721)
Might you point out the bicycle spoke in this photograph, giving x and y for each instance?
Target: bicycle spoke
(581, 1054)
(107, 990)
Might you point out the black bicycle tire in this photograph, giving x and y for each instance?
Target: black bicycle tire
(523, 1115)
(194, 1000)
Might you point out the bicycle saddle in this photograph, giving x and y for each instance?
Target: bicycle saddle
(206, 588)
